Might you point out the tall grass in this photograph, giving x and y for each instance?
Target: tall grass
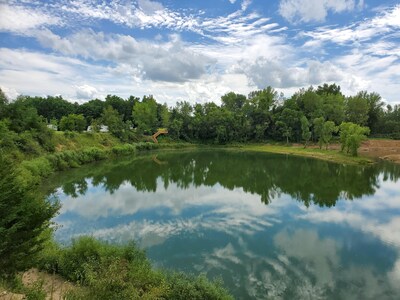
(122, 272)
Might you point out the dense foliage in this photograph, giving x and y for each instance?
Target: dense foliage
(24, 222)
(313, 114)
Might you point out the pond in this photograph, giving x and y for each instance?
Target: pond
(272, 226)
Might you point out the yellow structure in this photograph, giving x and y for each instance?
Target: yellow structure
(160, 131)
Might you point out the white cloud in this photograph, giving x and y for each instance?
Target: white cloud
(240, 51)
(19, 19)
(149, 6)
(264, 72)
(386, 22)
(10, 93)
(86, 92)
(312, 10)
(171, 61)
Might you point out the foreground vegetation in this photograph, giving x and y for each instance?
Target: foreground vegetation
(105, 271)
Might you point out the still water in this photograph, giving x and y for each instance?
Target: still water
(272, 226)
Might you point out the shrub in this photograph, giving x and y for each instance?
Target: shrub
(38, 167)
(147, 146)
(123, 272)
(125, 149)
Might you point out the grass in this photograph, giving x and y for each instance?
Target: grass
(328, 155)
(106, 271)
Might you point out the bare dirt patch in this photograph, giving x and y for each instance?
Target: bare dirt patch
(5, 295)
(54, 285)
(383, 149)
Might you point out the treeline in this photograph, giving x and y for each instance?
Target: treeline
(313, 114)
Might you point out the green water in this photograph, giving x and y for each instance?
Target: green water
(272, 226)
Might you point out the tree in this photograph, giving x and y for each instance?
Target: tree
(95, 125)
(233, 102)
(285, 130)
(327, 130)
(164, 115)
(3, 103)
(305, 130)
(310, 103)
(334, 107)
(375, 110)
(357, 109)
(263, 99)
(329, 89)
(24, 221)
(113, 120)
(351, 136)
(51, 107)
(318, 127)
(91, 110)
(73, 122)
(145, 115)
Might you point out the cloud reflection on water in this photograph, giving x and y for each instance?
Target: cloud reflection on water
(286, 249)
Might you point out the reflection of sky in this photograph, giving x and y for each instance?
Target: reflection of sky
(281, 250)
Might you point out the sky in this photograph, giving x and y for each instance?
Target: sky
(197, 50)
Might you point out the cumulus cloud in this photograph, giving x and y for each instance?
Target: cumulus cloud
(10, 93)
(313, 10)
(264, 72)
(170, 61)
(86, 92)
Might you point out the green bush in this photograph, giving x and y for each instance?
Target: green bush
(189, 287)
(125, 149)
(38, 167)
(92, 154)
(35, 292)
(122, 272)
(146, 146)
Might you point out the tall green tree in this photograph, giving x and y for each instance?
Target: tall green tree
(113, 120)
(375, 110)
(328, 129)
(318, 127)
(73, 122)
(145, 115)
(305, 130)
(351, 136)
(233, 102)
(92, 109)
(24, 221)
(3, 103)
(357, 109)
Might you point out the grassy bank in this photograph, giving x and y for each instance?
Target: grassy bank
(105, 271)
(76, 149)
(328, 155)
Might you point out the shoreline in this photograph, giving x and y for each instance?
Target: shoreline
(330, 155)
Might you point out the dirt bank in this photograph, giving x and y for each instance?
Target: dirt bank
(54, 286)
(379, 148)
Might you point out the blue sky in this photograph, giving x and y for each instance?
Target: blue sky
(197, 50)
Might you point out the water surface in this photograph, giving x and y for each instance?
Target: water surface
(272, 226)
